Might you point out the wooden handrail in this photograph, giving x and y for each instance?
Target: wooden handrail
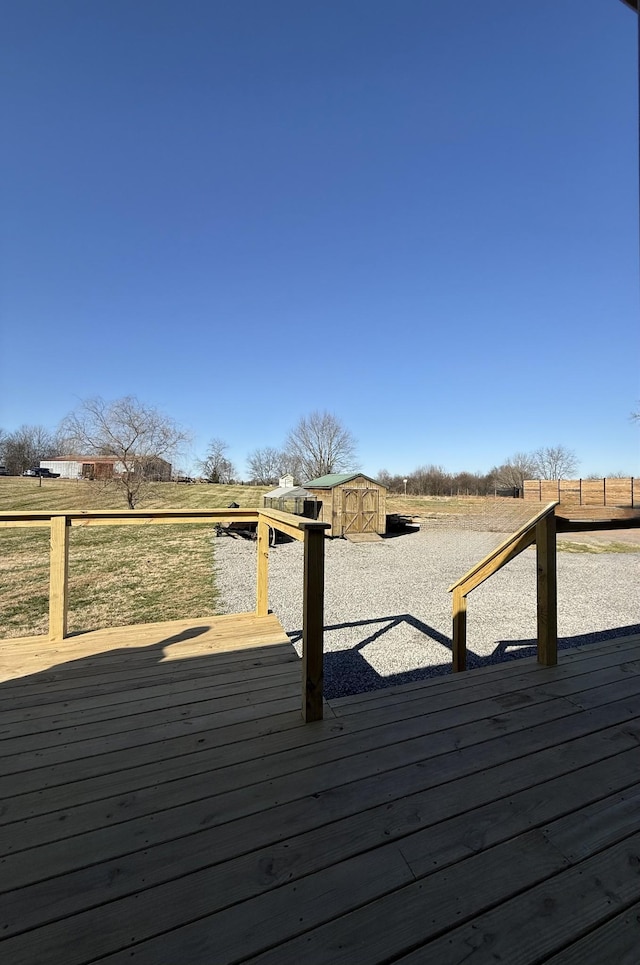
(309, 531)
(541, 530)
(285, 522)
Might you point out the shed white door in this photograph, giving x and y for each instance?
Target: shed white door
(359, 511)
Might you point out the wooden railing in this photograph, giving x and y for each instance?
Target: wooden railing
(308, 531)
(541, 530)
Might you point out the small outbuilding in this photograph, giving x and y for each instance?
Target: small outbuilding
(351, 503)
(291, 499)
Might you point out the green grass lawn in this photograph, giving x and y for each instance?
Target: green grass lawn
(26, 494)
(123, 575)
(118, 575)
(571, 546)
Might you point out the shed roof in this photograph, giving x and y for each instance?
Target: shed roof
(336, 479)
(106, 459)
(284, 492)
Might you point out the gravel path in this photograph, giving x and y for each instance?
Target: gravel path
(388, 612)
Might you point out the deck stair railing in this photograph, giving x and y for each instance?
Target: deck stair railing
(541, 530)
(310, 532)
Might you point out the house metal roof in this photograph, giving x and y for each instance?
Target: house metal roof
(76, 458)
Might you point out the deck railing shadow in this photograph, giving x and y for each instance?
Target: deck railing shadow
(386, 624)
(517, 649)
(108, 661)
(102, 712)
(348, 672)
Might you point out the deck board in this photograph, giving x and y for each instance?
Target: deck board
(162, 801)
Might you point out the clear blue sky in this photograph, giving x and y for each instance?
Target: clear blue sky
(419, 215)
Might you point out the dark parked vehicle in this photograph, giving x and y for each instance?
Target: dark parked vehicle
(45, 473)
(4, 471)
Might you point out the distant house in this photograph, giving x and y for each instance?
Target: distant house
(105, 467)
(351, 502)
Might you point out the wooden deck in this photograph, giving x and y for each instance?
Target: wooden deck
(163, 802)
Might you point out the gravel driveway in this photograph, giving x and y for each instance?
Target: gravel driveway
(388, 612)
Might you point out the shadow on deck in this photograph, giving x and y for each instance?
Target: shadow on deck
(163, 802)
(349, 672)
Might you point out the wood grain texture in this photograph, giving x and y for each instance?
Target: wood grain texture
(163, 801)
(547, 590)
(313, 625)
(58, 578)
(262, 578)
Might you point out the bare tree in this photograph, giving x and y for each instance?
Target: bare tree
(555, 462)
(142, 439)
(320, 444)
(518, 467)
(472, 484)
(216, 466)
(4, 436)
(430, 481)
(292, 466)
(27, 446)
(265, 466)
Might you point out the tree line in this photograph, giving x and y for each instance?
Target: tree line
(133, 433)
(317, 445)
(552, 462)
(136, 434)
(26, 446)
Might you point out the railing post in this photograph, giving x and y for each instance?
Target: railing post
(312, 624)
(459, 630)
(58, 578)
(262, 591)
(547, 590)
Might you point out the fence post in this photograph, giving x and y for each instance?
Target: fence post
(459, 630)
(547, 590)
(312, 624)
(262, 589)
(58, 578)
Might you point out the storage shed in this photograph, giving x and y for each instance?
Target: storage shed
(351, 502)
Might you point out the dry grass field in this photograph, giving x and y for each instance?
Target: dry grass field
(124, 575)
(119, 575)
(17, 493)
